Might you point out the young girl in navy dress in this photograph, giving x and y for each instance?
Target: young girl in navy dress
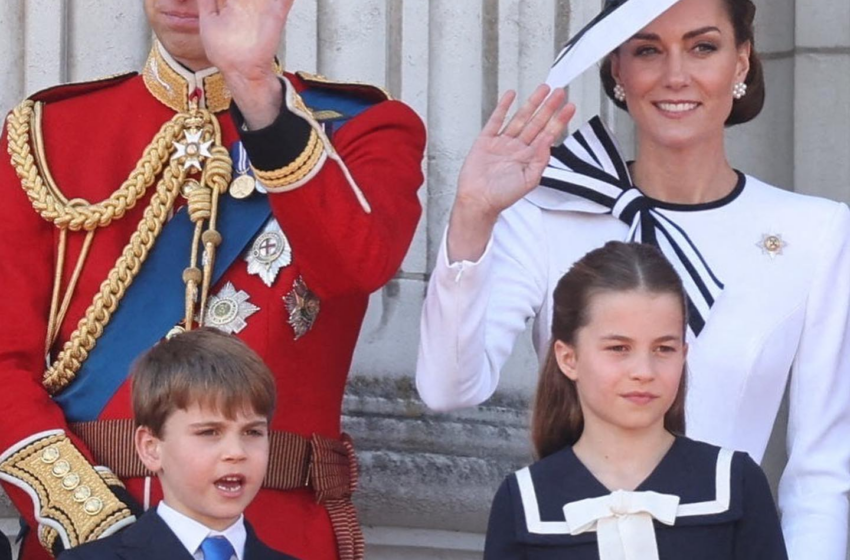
(616, 479)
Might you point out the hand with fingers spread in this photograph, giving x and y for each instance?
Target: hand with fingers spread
(503, 165)
(241, 39)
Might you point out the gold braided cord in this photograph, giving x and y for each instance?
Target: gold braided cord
(72, 285)
(54, 299)
(46, 197)
(57, 313)
(217, 175)
(89, 329)
(112, 290)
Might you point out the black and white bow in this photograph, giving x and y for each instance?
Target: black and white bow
(588, 165)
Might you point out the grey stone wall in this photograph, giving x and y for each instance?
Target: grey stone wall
(428, 478)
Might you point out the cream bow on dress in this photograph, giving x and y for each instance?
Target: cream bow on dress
(623, 522)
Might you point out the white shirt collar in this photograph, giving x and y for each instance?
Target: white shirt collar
(191, 533)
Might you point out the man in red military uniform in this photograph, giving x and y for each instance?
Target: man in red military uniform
(214, 189)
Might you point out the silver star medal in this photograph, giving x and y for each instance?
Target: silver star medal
(228, 310)
(192, 150)
(269, 253)
(772, 244)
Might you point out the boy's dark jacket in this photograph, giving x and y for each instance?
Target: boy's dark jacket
(150, 537)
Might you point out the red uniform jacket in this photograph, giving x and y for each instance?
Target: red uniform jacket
(93, 136)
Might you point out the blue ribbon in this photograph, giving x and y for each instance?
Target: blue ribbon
(155, 301)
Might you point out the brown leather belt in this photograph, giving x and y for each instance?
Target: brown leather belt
(327, 466)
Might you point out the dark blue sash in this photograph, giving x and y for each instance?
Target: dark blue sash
(155, 302)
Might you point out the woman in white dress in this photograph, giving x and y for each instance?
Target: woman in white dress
(767, 271)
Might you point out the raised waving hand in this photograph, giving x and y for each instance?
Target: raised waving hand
(503, 165)
(241, 38)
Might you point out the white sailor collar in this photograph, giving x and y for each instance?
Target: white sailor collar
(707, 480)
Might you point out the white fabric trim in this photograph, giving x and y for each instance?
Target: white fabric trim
(723, 490)
(532, 509)
(720, 504)
(27, 441)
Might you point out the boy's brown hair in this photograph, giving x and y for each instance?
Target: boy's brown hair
(205, 367)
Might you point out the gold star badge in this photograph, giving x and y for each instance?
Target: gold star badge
(772, 244)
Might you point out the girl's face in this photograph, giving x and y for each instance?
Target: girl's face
(678, 73)
(628, 360)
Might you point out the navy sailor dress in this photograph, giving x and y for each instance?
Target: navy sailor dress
(700, 503)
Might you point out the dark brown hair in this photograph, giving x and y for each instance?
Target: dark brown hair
(742, 13)
(557, 420)
(205, 367)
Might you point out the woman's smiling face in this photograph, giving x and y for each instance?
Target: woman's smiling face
(678, 73)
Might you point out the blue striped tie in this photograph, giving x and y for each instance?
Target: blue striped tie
(217, 548)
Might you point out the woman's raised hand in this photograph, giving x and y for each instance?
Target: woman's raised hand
(503, 165)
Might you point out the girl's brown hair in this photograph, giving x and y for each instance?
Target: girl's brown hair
(742, 14)
(557, 420)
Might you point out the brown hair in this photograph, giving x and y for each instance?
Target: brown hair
(203, 366)
(557, 420)
(742, 13)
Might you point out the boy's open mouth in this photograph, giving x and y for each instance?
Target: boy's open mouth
(230, 484)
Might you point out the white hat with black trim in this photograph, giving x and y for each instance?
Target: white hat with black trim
(618, 21)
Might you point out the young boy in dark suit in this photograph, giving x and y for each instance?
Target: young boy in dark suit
(202, 402)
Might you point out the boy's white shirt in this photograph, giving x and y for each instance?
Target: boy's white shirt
(192, 534)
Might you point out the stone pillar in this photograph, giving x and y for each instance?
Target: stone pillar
(822, 99)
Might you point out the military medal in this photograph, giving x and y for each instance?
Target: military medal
(269, 253)
(303, 307)
(243, 184)
(192, 151)
(772, 244)
(228, 310)
(242, 187)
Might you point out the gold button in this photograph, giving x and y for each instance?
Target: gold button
(71, 481)
(81, 494)
(50, 455)
(61, 468)
(93, 506)
(773, 244)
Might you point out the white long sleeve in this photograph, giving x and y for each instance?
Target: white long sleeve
(473, 312)
(816, 481)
